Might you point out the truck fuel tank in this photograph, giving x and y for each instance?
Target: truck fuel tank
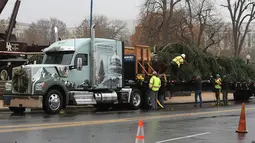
(106, 97)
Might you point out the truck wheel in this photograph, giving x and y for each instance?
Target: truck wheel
(246, 95)
(17, 110)
(53, 102)
(135, 99)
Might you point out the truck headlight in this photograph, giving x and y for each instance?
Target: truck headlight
(8, 86)
(40, 86)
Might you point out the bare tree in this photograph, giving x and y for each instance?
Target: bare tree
(192, 22)
(215, 32)
(148, 30)
(42, 32)
(202, 23)
(163, 9)
(115, 29)
(242, 13)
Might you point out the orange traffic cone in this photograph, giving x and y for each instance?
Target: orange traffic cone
(140, 133)
(242, 121)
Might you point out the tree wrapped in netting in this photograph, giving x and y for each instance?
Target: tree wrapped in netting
(204, 64)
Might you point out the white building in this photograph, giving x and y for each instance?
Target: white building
(20, 27)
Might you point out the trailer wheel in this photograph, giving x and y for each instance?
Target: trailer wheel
(242, 95)
(4, 75)
(17, 110)
(53, 102)
(135, 99)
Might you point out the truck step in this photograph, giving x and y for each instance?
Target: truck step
(83, 97)
(2, 83)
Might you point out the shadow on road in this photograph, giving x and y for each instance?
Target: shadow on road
(118, 110)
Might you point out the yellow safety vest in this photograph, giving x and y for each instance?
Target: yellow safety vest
(155, 83)
(178, 60)
(218, 83)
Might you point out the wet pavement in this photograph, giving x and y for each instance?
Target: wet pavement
(178, 123)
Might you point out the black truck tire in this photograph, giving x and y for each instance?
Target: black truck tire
(136, 99)
(53, 102)
(17, 110)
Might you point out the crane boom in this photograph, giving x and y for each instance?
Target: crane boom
(12, 22)
(2, 5)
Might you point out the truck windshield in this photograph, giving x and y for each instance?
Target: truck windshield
(62, 58)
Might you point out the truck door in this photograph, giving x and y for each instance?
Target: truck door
(79, 76)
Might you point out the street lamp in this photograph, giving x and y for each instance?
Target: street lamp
(91, 11)
(248, 57)
(56, 33)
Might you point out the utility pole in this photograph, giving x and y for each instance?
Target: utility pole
(91, 13)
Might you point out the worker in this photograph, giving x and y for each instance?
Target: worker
(217, 87)
(161, 92)
(154, 86)
(176, 63)
(225, 89)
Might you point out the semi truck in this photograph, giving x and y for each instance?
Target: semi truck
(83, 71)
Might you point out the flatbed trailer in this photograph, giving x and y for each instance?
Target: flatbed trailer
(140, 61)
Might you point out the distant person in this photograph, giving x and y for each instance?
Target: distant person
(225, 89)
(217, 86)
(161, 92)
(168, 88)
(176, 63)
(198, 91)
(154, 86)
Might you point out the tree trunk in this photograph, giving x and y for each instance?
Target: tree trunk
(165, 23)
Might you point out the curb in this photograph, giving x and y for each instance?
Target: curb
(185, 103)
(6, 109)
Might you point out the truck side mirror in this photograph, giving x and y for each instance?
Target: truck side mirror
(79, 64)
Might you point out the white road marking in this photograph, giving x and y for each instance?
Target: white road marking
(190, 136)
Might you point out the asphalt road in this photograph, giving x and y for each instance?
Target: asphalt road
(178, 123)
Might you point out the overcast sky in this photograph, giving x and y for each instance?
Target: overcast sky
(72, 12)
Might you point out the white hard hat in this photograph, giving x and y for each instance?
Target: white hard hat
(183, 55)
(154, 72)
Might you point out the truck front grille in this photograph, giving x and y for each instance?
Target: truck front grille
(20, 83)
